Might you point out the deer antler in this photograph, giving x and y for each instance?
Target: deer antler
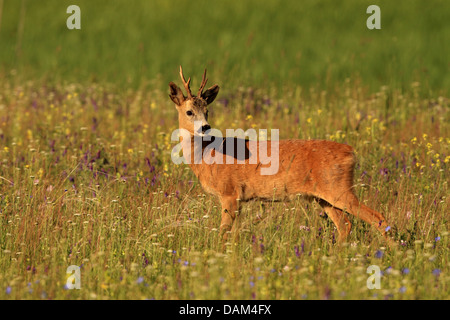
(204, 81)
(186, 84)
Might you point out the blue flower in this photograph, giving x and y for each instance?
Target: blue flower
(8, 290)
(140, 280)
(437, 238)
(436, 272)
(387, 228)
(405, 270)
(379, 254)
(402, 289)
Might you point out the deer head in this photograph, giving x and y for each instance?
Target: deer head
(193, 108)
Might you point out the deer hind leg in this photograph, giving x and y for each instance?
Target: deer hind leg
(351, 204)
(230, 213)
(339, 218)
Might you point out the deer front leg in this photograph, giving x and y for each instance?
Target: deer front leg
(230, 212)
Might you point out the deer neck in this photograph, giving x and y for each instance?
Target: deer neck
(193, 148)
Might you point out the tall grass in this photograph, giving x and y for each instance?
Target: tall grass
(85, 172)
(280, 43)
(86, 179)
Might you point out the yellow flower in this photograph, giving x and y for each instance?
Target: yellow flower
(425, 136)
(414, 140)
(309, 120)
(6, 149)
(249, 117)
(130, 151)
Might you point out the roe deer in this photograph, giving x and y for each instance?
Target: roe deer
(317, 169)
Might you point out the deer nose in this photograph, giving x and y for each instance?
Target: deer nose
(206, 127)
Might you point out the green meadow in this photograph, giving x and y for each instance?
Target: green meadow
(86, 176)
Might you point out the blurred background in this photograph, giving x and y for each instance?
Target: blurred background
(264, 44)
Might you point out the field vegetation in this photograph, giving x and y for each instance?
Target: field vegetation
(86, 176)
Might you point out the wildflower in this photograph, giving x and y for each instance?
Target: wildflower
(308, 120)
(437, 238)
(436, 272)
(405, 271)
(414, 140)
(140, 280)
(402, 289)
(379, 254)
(424, 136)
(297, 251)
(387, 228)
(249, 117)
(8, 290)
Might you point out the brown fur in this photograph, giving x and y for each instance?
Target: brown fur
(314, 168)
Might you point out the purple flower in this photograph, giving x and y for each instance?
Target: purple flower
(297, 252)
(405, 271)
(261, 247)
(387, 228)
(8, 290)
(436, 272)
(402, 289)
(437, 238)
(140, 280)
(379, 254)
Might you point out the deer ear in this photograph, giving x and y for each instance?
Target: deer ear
(210, 94)
(176, 94)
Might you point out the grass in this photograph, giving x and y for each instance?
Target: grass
(86, 177)
(85, 180)
(281, 44)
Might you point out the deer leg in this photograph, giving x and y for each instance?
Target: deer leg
(351, 204)
(339, 218)
(229, 214)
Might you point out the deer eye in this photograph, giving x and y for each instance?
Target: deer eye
(189, 113)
